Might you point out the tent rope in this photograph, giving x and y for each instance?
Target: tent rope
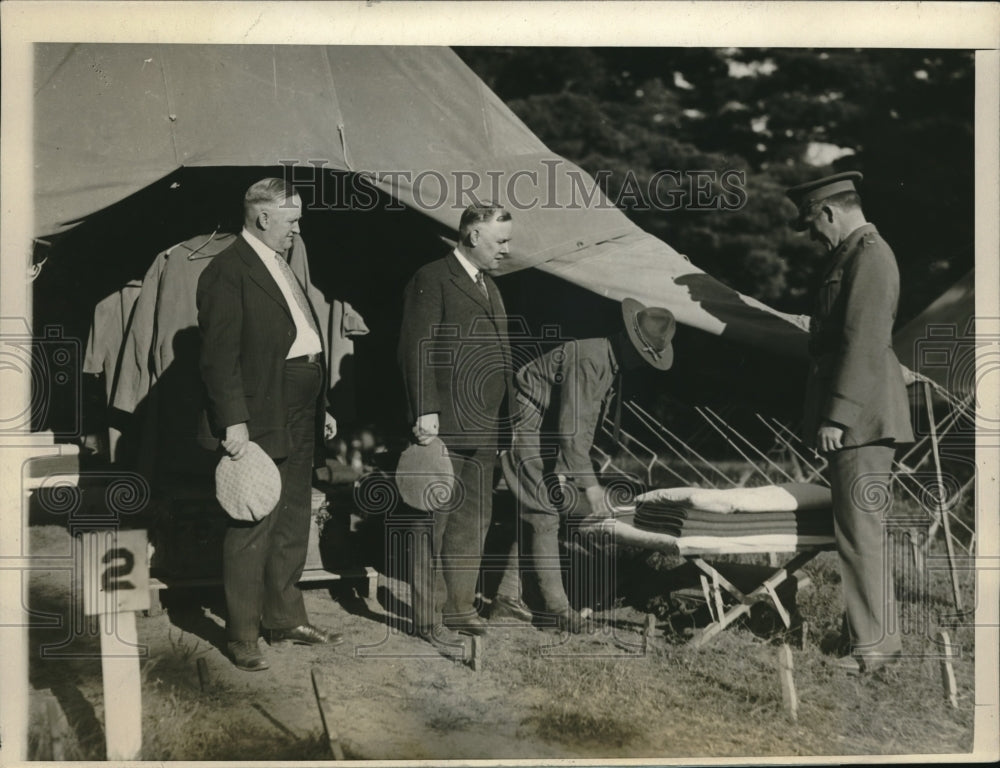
(341, 130)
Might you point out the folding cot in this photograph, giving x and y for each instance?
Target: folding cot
(793, 519)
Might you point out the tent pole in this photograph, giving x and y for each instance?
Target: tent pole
(648, 420)
(942, 512)
(813, 471)
(755, 449)
(631, 453)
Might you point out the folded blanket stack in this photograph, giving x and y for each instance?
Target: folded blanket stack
(801, 509)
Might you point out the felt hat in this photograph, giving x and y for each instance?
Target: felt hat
(650, 330)
(805, 195)
(248, 488)
(424, 476)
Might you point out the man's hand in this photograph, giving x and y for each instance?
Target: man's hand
(598, 502)
(329, 427)
(426, 428)
(235, 442)
(830, 437)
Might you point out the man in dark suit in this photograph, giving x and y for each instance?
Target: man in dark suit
(856, 409)
(261, 362)
(456, 365)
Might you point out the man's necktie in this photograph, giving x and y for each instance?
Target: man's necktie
(482, 285)
(293, 283)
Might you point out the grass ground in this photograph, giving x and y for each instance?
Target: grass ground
(537, 695)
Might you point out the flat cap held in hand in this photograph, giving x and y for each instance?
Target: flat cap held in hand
(248, 488)
(425, 477)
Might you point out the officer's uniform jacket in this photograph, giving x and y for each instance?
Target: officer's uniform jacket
(855, 380)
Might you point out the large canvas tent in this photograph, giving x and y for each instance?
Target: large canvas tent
(111, 120)
(940, 342)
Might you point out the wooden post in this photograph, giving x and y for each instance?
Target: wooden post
(786, 673)
(476, 661)
(648, 631)
(202, 667)
(56, 730)
(115, 586)
(947, 671)
(326, 715)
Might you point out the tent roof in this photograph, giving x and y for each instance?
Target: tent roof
(940, 341)
(112, 119)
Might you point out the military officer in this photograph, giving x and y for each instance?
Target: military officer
(856, 409)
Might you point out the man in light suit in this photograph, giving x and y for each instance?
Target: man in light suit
(856, 409)
(456, 365)
(261, 362)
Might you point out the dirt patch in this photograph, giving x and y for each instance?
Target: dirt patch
(537, 694)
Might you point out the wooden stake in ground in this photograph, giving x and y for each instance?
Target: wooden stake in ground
(476, 662)
(202, 667)
(648, 631)
(326, 715)
(115, 586)
(56, 729)
(786, 672)
(947, 671)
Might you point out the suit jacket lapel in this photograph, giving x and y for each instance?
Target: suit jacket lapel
(259, 274)
(499, 312)
(465, 283)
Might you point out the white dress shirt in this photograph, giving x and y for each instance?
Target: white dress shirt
(306, 342)
(467, 265)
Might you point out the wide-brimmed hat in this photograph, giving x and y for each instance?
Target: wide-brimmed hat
(248, 488)
(425, 478)
(650, 329)
(804, 196)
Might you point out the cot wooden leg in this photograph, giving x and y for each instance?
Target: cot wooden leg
(372, 575)
(713, 583)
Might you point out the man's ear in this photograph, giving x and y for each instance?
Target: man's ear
(474, 236)
(262, 220)
(827, 212)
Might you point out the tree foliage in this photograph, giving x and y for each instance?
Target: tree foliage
(779, 116)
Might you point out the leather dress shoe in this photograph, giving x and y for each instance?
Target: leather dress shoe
(571, 621)
(442, 638)
(246, 655)
(305, 634)
(469, 625)
(504, 607)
